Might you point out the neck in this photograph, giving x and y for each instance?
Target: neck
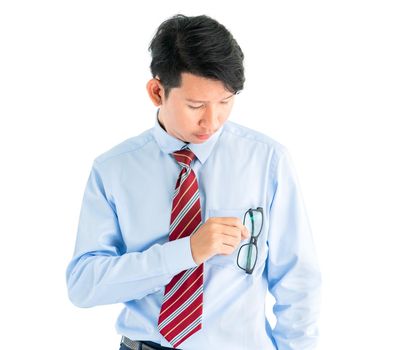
(160, 121)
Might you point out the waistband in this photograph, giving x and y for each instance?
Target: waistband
(142, 345)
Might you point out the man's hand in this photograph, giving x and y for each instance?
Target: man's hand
(217, 236)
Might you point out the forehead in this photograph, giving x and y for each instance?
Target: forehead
(198, 88)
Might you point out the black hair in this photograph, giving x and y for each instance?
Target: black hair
(198, 45)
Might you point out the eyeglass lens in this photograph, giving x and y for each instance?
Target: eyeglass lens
(252, 221)
(247, 256)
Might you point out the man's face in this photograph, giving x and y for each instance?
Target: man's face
(194, 111)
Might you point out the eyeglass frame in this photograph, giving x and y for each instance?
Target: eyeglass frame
(253, 239)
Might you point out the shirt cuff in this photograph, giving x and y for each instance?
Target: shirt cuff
(177, 255)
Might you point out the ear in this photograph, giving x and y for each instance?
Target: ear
(155, 91)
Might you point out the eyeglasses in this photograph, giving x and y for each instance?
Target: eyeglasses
(247, 255)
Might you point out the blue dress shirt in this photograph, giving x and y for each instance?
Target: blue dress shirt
(123, 254)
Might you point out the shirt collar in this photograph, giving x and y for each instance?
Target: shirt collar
(169, 144)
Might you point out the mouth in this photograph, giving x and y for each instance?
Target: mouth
(203, 136)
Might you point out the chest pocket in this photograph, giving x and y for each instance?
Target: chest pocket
(230, 261)
(226, 260)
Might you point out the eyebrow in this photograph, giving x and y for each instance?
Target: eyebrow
(199, 101)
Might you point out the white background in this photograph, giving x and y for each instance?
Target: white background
(322, 79)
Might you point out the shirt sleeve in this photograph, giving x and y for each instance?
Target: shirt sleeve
(101, 272)
(292, 268)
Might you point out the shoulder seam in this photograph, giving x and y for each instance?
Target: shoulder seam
(149, 139)
(257, 137)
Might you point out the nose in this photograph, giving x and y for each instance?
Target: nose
(209, 119)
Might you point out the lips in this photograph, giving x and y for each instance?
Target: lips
(203, 136)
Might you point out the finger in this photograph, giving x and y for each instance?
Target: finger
(231, 241)
(242, 233)
(226, 250)
(229, 221)
(245, 233)
(230, 231)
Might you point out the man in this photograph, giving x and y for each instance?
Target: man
(189, 223)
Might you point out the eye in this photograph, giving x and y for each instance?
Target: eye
(194, 107)
(225, 102)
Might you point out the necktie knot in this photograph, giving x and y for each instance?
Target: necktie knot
(184, 157)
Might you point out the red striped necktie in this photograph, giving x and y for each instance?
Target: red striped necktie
(181, 312)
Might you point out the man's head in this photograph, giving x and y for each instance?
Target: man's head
(197, 68)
